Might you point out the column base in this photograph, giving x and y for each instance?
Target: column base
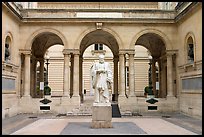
(170, 97)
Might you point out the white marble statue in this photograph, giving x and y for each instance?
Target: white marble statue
(101, 75)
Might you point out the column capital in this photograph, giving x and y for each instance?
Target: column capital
(171, 52)
(127, 51)
(71, 51)
(25, 51)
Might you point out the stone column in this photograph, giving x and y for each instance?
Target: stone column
(34, 80)
(81, 78)
(27, 75)
(41, 70)
(42, 73)
(169, 75)
(162, 83)
(154, 75)
(122, 74)
(131, 75)
(76, 75)
(115, 88)
(160, 72)
(66, 91)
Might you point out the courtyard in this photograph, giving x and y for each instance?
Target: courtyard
(151, 123)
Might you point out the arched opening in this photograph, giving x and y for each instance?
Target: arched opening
(56, 68)
(95, 43)
(141, 67)
(39, 65)
(157, 50)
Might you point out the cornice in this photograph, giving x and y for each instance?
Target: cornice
(124, 15)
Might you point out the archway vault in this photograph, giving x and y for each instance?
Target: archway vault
(162, 36)
(99, 36)
(153, 43)
(43, 31)
(43, 41)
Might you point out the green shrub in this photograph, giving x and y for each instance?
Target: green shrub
(146, 89)
(47, 90)
(38, 90)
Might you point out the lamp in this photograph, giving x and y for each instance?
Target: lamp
(150, 75)
(47, 63)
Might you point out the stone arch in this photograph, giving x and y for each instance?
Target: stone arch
(157, 55)
(89, 30)
(114, 46)
(8, 33)
(41, 30)
(163, 36)
(188, 35)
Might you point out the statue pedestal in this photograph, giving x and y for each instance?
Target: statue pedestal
(101, 115)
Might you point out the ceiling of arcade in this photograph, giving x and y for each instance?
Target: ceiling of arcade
(42, 42)
(102, 37)
(153, 43)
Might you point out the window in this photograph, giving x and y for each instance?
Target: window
(7, 49)
(190, 50)
(98, 46)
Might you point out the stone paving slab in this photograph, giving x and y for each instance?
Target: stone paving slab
(43, 127)
(151, 126)
(12, 124)
(158, 126)
(84, 128)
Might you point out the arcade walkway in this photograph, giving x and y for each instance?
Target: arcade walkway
(146, 124)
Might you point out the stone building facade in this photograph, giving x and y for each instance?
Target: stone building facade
(129, 33)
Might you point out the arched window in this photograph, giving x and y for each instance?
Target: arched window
(7, 52)
(190, 50)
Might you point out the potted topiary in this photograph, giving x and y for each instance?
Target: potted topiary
(146, 91)
(47, 90)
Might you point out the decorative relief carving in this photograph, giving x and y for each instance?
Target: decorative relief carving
(7, 66)
(99, 25)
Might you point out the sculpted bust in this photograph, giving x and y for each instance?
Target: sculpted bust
(7, 52)
(101, 75)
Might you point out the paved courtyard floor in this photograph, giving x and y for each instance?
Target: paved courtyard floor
(147, 124)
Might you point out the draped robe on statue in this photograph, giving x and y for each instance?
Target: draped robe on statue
(101, 81)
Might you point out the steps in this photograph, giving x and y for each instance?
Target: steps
(85, 108)
(115, 110)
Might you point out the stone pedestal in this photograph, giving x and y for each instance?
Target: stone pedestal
(101, 115)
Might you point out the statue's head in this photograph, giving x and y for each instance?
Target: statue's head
(101, 58)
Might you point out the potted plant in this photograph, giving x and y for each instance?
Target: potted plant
(47, 90)
(146, 91)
